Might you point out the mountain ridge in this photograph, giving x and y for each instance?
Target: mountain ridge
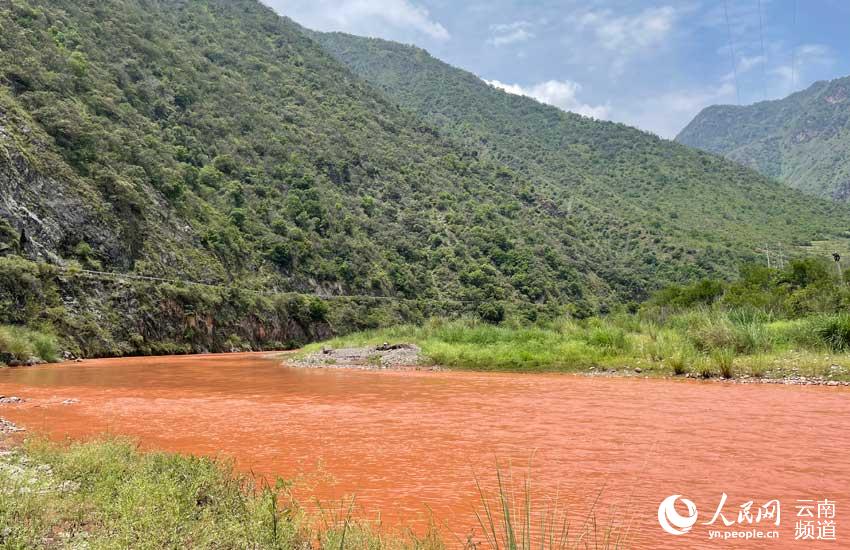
(802, 139)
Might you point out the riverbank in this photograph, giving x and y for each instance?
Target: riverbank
(107, 493)
(697, 344)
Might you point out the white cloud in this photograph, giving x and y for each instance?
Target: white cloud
(560, 93)
(746, 64)
(807, 56)
(628, 32)
(369, 17)
(666, 114)
(510, 33)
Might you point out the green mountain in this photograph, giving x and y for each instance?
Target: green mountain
(676, 208)
(802, 140)
(213, 141)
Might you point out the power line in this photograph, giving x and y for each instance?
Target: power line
(763, 54)
(732, 51)
(794, 47)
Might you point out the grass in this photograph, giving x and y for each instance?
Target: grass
(705, 342)
(108, 494)
(724, 360)
(512, 519)
(24, 344)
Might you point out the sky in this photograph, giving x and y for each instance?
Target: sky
(648, 63)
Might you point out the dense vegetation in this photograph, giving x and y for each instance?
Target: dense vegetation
(22, 345)
(769, 323)
(658, 212)
(215, 141)
(803, 140)
(112, 316)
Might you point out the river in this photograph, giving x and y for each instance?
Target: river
(410, 445)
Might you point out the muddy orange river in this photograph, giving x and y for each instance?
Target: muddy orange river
(410, 445)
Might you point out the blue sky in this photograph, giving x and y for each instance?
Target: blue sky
(652, 64)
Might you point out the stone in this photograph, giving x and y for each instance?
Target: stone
(10, 399)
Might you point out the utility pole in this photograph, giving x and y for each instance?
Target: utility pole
(780, 256)
(837, 257)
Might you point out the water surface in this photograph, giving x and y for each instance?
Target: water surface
(407, 443)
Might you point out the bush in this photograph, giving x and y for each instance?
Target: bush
(46, 347)
(716, 331)
(834, 332)
(714, 334)
(724, 359)
(680, 363)
(17, 342)
(608, 338)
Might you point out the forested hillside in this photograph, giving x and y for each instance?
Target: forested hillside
(803, 140)
(666, 210)
(214, 141)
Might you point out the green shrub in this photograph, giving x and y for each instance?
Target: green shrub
(715, 331)
(724, 361)
(714, 334)
(24, 344)
(752, 337)
(608, 338)
(834, 331)
(46, 347)
(16, 342)
(705, 368)
(680, 363)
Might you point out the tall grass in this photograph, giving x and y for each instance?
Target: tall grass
(518, 522)
(24, 344)
(680, 363)
(704, 341)
(724, 361)
(834, 331)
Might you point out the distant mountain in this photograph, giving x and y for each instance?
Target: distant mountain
(802, 140)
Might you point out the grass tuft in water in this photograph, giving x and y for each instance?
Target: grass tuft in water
(517, 522)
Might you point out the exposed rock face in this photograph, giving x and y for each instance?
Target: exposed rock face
(48, 215)
(842, 191)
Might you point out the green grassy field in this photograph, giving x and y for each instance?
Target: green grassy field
(705, 342)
